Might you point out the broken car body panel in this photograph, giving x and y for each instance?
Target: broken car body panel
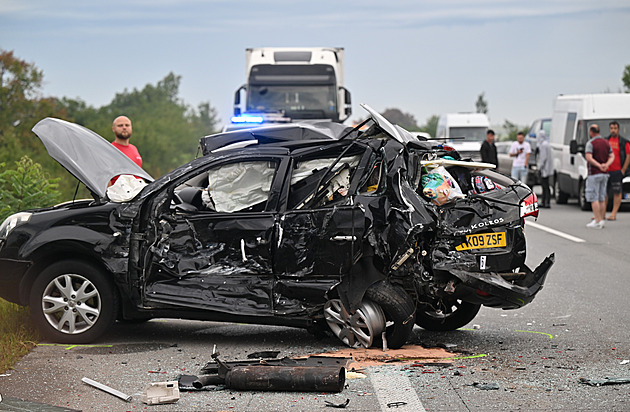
(270, 231)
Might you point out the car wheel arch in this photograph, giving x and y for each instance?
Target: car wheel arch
(354, 285)
(51, 253)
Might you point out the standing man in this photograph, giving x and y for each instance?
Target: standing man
(617, 170)
(520, 151)
(488, 149)
(122, 130)
(545, 166)
(599, 157)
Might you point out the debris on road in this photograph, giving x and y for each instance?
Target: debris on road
(267, 354)
(362, 357)
(105, 388)
(492, 386)
(326, 374)
(605, 381)
(338, 405)
(158, 393)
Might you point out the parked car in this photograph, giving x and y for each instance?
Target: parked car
(318, 225)
(505, 160)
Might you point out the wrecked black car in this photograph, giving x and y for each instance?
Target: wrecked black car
(362, 231)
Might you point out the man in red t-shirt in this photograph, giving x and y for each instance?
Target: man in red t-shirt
(122, 129)
(617, 170)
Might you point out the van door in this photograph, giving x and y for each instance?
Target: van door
(564, 160)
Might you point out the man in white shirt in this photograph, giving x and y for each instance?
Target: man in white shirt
(520, 151)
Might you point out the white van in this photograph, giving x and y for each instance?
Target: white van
(465, 132)
(572, 116)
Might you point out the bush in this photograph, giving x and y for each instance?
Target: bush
(26, 187)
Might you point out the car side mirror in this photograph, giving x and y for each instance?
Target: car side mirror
(573, 147)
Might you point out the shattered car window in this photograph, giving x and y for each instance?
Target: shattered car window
(308, 173)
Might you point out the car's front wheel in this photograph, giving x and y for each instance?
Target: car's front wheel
(385, 308)
(446, 315)
(72, 302)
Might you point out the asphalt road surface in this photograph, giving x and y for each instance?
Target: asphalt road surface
(530, 359)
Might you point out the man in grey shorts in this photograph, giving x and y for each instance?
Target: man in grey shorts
(599, 157)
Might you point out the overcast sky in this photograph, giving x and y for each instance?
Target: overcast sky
(423, 57)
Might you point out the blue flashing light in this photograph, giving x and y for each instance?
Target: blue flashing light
(247, 119)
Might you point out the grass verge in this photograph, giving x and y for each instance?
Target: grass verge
(17, 335)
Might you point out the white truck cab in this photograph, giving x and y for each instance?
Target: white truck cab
(465, 132)
(293, 84)
(572, 117)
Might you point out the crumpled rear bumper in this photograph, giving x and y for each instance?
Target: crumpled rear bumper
(492, 289)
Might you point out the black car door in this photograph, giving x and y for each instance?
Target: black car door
(213, 248)
(319, 235)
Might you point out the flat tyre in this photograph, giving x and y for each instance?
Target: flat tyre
(385, 308)
(446, 316)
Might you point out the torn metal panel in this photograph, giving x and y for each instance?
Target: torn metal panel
(321, 242)
(215, 261)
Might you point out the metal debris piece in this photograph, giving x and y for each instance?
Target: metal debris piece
(105, 388)
(605, 381)
(321, 374)
(267, 354)
(492, 386)
(338, 405)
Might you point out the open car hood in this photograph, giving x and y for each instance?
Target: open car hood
(90, 158)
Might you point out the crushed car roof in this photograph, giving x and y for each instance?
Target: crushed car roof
(274, 134)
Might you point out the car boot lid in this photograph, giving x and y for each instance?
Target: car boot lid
(89, 157)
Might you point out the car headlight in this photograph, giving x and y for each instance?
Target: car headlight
(12, 222)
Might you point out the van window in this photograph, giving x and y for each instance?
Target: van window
(546, 126)
(581, 135)
(568, 131)
(470, 134)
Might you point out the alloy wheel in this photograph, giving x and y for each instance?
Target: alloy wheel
(71, 303)
(358, 329)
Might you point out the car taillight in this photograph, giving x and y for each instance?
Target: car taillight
(529, 206)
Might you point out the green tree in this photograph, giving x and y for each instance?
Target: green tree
(26, 186)
(626, 78)
(512, 129)
(481, 104)
(405, 120)
(165, 129)
(20, 108)
(431, 125)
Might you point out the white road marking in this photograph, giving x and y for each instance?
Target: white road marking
(555, 232)
(394, 390)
